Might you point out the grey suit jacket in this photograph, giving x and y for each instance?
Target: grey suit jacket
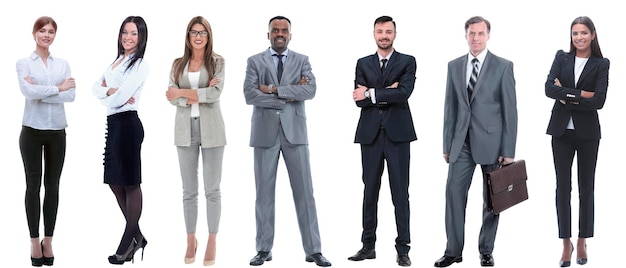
(490, 116)
(212, 129)
(286, 109)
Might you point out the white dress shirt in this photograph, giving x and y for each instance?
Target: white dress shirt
(129, 83)
(43, 106)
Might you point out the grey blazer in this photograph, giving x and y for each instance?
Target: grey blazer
(490, 116)
(286, 109)
(212, 130)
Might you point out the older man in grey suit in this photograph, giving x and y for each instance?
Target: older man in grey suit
(480, 127)
(277, 83)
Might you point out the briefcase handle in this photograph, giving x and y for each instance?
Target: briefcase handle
(500, 165)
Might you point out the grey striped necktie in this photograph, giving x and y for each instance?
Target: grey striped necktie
(473, 77)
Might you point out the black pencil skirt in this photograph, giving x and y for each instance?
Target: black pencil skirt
(122, 152)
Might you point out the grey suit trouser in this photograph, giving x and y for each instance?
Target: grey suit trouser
(460, 175)
(296, 157)
(212, 174)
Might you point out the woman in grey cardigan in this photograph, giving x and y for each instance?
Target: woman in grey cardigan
(196, 82)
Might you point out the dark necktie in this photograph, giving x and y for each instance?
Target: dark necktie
(279, 70)
(473, 77)
(382, 68)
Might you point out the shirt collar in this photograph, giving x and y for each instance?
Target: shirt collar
(388, 56)
(272, 52)
(480, 57)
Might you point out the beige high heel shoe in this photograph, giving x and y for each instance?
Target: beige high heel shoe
(192, 259)
(211, 251)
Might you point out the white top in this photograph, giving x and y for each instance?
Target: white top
(43, 106)
(129, 83)
(194, 79)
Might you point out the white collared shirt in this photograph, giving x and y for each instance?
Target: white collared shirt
(129, 83)
(43, 106)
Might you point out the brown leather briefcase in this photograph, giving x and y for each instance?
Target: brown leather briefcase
(507, 186)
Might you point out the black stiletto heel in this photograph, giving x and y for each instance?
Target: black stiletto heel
(127, 256)
(48, 261)
(138, 245)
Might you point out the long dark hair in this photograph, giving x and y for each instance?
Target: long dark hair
(595, 46)
(142, 29)
(209, 56)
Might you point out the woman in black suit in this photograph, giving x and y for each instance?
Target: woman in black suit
(578, 82)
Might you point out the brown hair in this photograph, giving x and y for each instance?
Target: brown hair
(43, 21)
(209, 56)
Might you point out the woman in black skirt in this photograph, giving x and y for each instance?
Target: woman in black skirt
(119, 90)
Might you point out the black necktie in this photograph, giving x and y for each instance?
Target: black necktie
(279, 71)
(473, 77)
(382, 68)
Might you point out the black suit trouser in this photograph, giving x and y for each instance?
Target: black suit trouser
(397, 156)
(563, 150)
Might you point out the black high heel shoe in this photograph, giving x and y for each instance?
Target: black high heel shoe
(582, 261)
(567, 263)
(37, 261)
(127, 256)
(48, 261)
(139, 245)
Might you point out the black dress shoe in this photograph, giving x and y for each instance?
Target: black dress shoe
(318, 259)
(446, 261)
(363, 254)
(486, 260)
(261, 257)
(403, 259)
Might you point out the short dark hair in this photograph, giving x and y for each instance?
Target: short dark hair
(477, 19)
(279, 18)
(383, 19)
(595, 46)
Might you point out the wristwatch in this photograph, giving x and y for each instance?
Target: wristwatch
(366, 93)
(269, 88)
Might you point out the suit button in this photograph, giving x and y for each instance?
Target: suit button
(380, 111)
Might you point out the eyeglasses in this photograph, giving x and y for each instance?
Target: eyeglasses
(200, 33)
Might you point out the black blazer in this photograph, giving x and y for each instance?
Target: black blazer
(391, 110)
(584, 112)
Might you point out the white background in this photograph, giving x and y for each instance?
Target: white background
(334, 35)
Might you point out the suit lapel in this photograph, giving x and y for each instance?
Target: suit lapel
(460, 77)
(485, 70)
(570, 60)
(268, 59)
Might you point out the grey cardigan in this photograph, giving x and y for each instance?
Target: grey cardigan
(212, 130)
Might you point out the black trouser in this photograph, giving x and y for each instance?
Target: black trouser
(35, 144)
(563, 150)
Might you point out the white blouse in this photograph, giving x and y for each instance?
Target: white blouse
(43, 106)
(129, 83)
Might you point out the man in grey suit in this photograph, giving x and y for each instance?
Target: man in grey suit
(480, 127)
(277, 83)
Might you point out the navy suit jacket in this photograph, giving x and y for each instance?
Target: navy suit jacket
(391, 109)
(584, 112)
